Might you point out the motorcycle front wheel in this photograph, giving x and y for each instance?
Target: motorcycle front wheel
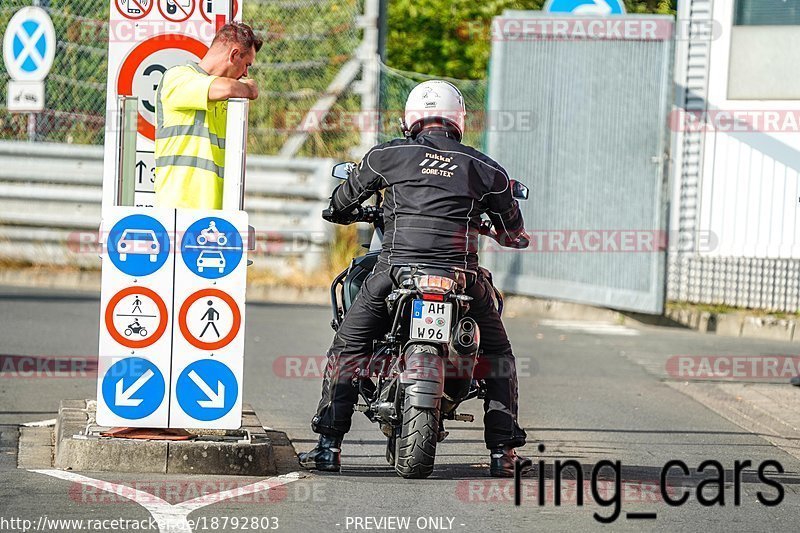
(416, 445)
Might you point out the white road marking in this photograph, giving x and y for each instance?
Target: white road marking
(595, 328)
(171, 518)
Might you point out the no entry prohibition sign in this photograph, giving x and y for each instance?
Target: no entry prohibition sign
(139, 57)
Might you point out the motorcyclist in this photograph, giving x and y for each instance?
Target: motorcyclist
(435, 191)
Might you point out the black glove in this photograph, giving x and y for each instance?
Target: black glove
(339, 217)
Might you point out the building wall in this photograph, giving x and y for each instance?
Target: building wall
(736, 233)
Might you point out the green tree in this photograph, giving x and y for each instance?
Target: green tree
(452, 38)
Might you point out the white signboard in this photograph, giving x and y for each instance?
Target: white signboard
(147, 37)
(25, 96)
(172, 318)
(208, 331)
(136, 317)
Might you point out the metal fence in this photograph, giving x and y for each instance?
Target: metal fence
(51, 193)
(588, 134)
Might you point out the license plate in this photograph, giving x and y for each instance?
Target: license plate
(430, 321)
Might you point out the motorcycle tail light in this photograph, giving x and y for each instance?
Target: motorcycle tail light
(434, 284)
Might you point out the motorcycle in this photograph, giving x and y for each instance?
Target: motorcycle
(423, 369)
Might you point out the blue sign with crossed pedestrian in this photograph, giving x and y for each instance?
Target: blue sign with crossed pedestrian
(133, 388)
(212, 247)
(586, 7)
(207, 390)
(29, 45)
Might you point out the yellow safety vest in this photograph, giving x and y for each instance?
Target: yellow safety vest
(190, 140)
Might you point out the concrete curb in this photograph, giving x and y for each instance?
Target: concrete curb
(737, 324)
(79, 447)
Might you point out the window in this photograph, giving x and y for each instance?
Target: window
(767, 12)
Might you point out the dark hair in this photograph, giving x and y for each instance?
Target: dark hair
(238, 33)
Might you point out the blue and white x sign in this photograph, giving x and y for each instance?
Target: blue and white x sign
(29, 45)
(599, 8)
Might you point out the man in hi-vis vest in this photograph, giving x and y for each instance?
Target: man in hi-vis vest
(191, 115)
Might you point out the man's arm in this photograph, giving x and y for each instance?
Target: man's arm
(503, 210)
(363, 182)
(225, 88)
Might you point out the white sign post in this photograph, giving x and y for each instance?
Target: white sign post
(208, 331)
(174, 280)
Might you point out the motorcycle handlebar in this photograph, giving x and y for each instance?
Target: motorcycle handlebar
(369, 214)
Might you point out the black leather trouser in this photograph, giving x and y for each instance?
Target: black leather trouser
(368, 319)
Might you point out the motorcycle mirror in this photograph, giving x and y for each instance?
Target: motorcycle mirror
(342, 170)
(519, 190)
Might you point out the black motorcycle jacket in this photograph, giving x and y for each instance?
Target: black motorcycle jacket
(435, 192)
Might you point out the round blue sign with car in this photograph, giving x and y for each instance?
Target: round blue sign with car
(138, 245)
(212, 247)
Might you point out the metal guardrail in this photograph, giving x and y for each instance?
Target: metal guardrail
(50, 206)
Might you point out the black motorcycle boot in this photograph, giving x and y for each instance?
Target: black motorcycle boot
(502, 462)
(325, 456)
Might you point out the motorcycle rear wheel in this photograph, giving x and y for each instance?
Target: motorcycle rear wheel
(416, 445)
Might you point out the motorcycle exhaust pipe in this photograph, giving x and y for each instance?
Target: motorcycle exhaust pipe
(466, 339)
(462, 357)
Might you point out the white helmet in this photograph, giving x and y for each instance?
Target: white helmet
(434, 99)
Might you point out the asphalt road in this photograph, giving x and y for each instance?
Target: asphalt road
(582, 396)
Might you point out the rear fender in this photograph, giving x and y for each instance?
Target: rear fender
(423, 378)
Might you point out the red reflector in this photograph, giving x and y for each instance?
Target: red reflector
(433, 297)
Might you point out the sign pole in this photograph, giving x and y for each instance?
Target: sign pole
(235, 154)
(126, 150)
(31, 127)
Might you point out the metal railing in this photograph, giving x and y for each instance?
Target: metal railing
(50, 206)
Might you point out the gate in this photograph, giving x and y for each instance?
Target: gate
(578, 111)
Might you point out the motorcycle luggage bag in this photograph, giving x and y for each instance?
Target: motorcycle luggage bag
(359, 270)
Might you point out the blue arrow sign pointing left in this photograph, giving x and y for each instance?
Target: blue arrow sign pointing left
(133, 388)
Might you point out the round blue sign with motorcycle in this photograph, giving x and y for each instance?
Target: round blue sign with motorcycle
(138, 245)
(212, 247)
